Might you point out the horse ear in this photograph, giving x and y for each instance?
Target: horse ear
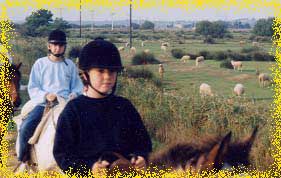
(248, 141)
(18, 65)
(215, 157)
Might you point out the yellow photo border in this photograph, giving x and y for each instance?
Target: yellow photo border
(189, 5)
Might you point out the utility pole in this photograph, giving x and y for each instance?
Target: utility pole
(80, 20)
(60, 12)
(112, 14)
(92, 15)
(130, 23)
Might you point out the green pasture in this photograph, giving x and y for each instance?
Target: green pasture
(185, 77)
(178, 76)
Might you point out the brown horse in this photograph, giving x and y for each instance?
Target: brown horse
(214, 154)
(14, 84)
(12, 78)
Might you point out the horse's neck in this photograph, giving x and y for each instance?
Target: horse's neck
(174, 156)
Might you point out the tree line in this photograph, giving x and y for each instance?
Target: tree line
(41, 22)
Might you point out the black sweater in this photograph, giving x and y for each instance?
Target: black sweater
(88, 127)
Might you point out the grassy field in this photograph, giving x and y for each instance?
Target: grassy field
(175, 110)
(185, 76)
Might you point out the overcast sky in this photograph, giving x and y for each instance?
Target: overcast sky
(170, 14)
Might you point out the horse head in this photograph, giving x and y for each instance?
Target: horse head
(213, 155)
(13, 83)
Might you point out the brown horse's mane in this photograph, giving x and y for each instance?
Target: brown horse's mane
(177, 154)
(13, 69)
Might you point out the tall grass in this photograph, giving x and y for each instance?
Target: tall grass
(171, 117)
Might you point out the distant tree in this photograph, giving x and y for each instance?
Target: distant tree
(247, 25)
(263, 27)
(40, 23)
(209, 29)
(37, 21)
(204, 28)
(147, 25)
(61, 24)
(135, 26)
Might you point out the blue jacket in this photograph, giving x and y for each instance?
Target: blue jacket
(53, 77)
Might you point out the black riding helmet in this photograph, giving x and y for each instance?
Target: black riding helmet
(57, 36)
(99, 54)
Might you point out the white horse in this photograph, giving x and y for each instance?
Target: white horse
(42, 141)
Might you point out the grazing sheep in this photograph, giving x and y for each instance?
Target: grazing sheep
(257, 72)
(199, 59)
(263, 79)
(239, 89)
(165, 44)
(127, 44)
(185, 58)
(121, 48)
(133, 50)
(146, 51)
(242, 43)
(236, 65)
(255, 43)
(142, 44)
(161, 71)
(205, 90)
(164, 48)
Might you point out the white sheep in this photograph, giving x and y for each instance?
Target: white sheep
(255, 43)
(142, 44)
(146, 51)
(133, 50)
(239, 89)
(164, 48)
(242, 43)
(198, 60)
(185, 58)
(121, 48)
(263, 79)
(127, 44)
(161, 70)
(205, 90)
(165, 44)
(236, 65)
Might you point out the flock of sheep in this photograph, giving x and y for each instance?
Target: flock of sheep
(204, 88)
(239, 89)
(133, 50)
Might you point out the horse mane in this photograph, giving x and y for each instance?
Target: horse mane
(14, 70)
(177, 155)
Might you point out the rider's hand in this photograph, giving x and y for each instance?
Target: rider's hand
(51, 97)
(99, 167)
(138, 162)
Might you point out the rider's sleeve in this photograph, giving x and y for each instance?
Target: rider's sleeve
(138, 133)
(35, 91)
(65, 145)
